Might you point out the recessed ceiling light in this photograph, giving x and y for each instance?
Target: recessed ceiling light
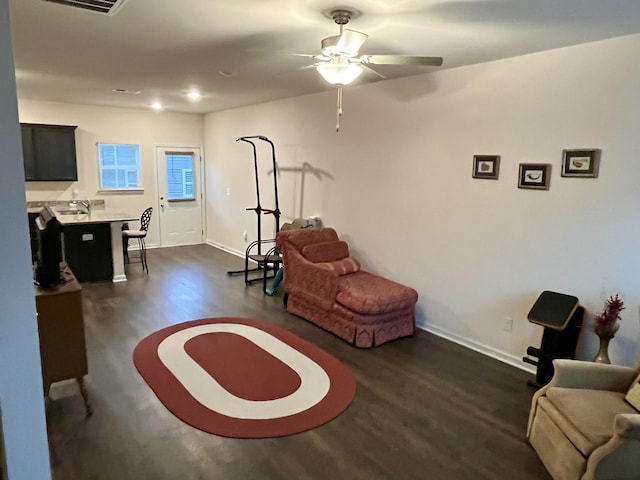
(222, 73)
(157, 106)
(193, 95)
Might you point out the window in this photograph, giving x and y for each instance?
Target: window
(119, 166)
(180, 184)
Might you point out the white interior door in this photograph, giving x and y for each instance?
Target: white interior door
(180, 191)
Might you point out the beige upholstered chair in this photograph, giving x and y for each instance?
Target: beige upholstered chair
(581, 426)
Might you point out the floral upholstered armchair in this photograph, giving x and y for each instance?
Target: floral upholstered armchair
(325, 285)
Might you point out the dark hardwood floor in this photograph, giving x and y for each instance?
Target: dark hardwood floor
(425, 408)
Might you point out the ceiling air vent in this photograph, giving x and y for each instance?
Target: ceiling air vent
(106, 7)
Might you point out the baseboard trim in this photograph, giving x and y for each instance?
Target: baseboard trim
(478, 347)
(136, 248)
(225, 248)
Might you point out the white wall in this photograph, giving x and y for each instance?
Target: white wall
(21, 401)
(396, 183)
(146, 128)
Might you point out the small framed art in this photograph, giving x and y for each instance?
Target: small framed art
(486, 166)
(534, 175)
(582, 162)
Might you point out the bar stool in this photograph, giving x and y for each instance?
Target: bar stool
(140, 235)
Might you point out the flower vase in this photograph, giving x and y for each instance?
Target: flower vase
(603, 352)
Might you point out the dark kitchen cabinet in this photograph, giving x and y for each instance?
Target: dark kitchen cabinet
(33, 235)
(49, 152)
(27, 153)
(87, 250)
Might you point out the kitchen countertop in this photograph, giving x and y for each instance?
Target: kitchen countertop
(36, 206)
(95, 215)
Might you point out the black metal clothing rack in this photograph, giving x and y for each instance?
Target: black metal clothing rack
(262, 261)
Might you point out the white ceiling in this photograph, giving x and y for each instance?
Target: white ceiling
(164, 48)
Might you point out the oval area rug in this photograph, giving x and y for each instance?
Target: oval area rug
(243, 378)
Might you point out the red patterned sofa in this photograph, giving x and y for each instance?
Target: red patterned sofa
(324, 285)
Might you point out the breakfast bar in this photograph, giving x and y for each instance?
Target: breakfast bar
(92, 239)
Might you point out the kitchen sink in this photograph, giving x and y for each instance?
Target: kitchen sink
(71, 211)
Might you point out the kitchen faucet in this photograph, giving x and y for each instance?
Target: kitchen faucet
(85, 203)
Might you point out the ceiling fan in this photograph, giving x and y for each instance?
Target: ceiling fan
(339, 62)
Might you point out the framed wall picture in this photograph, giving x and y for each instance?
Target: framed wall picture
(534, 175)
(486, 166)
(583, 162)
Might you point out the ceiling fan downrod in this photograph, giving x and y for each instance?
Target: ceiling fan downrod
(341, 17)
(339, 109)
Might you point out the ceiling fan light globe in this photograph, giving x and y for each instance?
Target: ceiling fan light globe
(339, 73)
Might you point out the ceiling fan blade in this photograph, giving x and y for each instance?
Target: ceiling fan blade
(321, 58)
(367, 68)
(401, 60)
(350, 42)
(307, 67)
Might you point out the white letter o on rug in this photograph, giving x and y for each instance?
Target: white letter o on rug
(206, 390)
(243, 378)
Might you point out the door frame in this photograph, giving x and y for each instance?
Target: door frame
(199, 151)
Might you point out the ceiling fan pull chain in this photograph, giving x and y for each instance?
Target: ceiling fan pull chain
(339, 111)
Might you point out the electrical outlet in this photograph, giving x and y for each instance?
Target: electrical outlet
(244, 236)
(228, 191)
(507, 324)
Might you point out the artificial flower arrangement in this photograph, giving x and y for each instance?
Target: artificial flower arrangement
(606, 324)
